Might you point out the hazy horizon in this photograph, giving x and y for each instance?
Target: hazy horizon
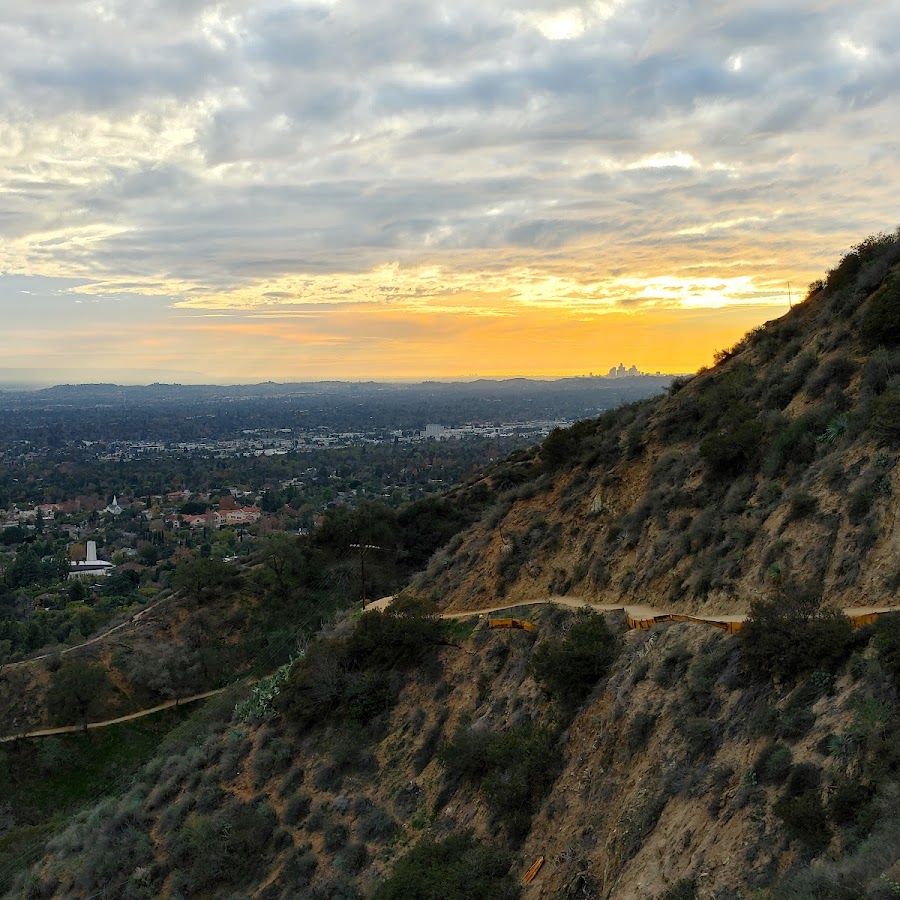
(23, 381)
(323, 190)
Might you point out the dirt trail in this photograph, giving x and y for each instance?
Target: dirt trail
(130, 621)
(634, 610)
(71, 729)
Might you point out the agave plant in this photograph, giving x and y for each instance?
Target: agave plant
(836, 429)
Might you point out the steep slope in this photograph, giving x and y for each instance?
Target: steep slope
(773, 471)
(404, 757)
(678, 774)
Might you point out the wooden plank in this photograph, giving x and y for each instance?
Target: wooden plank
(532, 872)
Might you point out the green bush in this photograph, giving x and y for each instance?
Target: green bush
(849, 801)
(672, 667)
(791, 635)
(887, 644)
(802, 505)
(335, 836)
(456, 868)
(795, 443)
(376, 825)
(564, 446)
(297, 809)
(881, 321)
(568, 668)
(733, 449)
(700, 734)
(357, 677)
(836, 372)
(773, 764)
(884, 418)
(805, 820)
(640, 731)
(513, 769)
(685, 889)
(353, 858)
(860, 502)
(299, 868)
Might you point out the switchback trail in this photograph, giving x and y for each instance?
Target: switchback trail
(638, 616)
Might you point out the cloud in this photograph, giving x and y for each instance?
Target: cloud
(239, 155)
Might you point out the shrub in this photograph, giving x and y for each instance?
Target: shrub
(805, 820)
(352, 859)
(887, 644)
(849, 801)
(837, 371)
(787, 636)
(802, 505)
(297, 809)
(700, 734)
(879, 368)
(299, 869)
(356, 678)
(335, 836)
(568, 668)
(773, 764)
(376, 825)
(884, 418)
(881, 321)
(795, 443)
(672, 666)
(685, 889)
(514, 769)
(732, 449)
(456, 868)
(640, 730)
(563, 446)
(795, 723)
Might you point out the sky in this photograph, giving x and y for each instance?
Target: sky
(243, 191)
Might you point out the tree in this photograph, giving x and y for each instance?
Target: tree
(76, 691)
(284, 566)
(569, 668)
(204, 578)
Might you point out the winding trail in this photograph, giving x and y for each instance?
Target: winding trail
(633, 611)
(637, 615)
(72, 729)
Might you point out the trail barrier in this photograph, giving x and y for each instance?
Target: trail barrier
(512, 623)
(643, 624)
(532, 872)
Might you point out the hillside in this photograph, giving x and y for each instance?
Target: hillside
(399, 755)
(772, 472)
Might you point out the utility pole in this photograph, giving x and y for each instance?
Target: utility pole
(362, 564)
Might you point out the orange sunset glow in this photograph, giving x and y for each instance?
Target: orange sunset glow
(335, 190)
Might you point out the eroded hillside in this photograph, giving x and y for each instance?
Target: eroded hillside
(775, 470)
(638, 764)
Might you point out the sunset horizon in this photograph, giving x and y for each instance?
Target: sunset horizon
(323, 190)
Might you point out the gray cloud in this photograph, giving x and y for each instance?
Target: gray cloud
(218, 143)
